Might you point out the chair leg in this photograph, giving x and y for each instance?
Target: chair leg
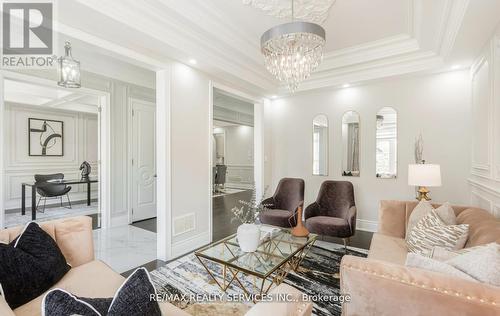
(69, 201)
(44, 203)
(60, 199)
(346, 241)
(37, 204)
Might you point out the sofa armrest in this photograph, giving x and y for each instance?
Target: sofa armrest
(298, 307)
(392, 218)
(5, 308)
(382, 288)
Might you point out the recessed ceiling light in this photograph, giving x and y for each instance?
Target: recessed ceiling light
(274, 97)
(346, 85)
(193, 61)
(455, 67)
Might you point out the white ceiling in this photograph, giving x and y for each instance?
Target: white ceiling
(230, 101)
(366, 39)
(23, 93)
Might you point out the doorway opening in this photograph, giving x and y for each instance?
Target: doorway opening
(54, 157)
(232, 159)
(142, 153)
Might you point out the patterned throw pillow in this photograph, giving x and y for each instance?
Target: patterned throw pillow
(431, 231)
(445, 213)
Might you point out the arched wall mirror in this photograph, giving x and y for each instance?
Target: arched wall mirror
(320, 145)
(387, 143)
(350, 144)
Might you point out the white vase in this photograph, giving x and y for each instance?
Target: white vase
(248, 237)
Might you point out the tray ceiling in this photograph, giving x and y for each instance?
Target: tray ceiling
(366, 39)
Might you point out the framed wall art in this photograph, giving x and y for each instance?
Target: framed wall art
(46, 137)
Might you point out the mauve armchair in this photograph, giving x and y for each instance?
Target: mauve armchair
(334, 212)
(282, 206)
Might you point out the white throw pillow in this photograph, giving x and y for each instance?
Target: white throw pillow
(419, 261)
(445, 213)
(431, 231)
(443, 254)
(482, 263)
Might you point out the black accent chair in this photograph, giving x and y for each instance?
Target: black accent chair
(334, 212)
(282, 206)
(220, 177)
(47, 189)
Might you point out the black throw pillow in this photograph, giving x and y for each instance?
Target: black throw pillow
(30, 265)
(58, 302)
(133, 298)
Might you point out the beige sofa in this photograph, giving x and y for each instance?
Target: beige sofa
(93, 278)
(382, 285)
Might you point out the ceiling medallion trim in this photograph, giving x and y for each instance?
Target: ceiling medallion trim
(315, 11)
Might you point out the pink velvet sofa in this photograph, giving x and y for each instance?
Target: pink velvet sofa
(93, 278)
(382, 285)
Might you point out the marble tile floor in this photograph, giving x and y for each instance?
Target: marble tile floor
(124, 247)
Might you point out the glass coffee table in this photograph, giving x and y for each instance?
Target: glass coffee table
(275, 257)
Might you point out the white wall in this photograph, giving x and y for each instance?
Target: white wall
(485, 168)
(190, 150)
(239, 145)
(438, 106)
(239, 156)
(80, 144)
(184, 184)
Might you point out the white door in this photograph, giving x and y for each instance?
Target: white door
(143, 161)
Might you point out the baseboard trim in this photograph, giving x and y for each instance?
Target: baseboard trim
(366, 225)
(185, 246)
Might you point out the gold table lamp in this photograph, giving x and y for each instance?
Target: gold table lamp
(423, 176)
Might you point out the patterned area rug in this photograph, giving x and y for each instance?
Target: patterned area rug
(314, 277)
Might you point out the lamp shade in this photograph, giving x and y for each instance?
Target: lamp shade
(424, 175)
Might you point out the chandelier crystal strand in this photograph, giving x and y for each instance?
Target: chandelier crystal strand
(292, 51)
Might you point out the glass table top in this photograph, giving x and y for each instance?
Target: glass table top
(272, 252)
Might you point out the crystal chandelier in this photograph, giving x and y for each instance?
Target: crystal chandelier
(292, 51)
(69, 69)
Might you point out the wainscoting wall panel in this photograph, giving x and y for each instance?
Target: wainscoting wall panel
(80, 143)
(121, 81)
(239, 176)
(484, 178)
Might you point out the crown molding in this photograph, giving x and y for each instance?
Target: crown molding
(186, 38)
(412, 63)
(387, 47)
(450, 25)
(229, 54)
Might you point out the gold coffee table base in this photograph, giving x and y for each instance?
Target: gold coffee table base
(232, 272)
